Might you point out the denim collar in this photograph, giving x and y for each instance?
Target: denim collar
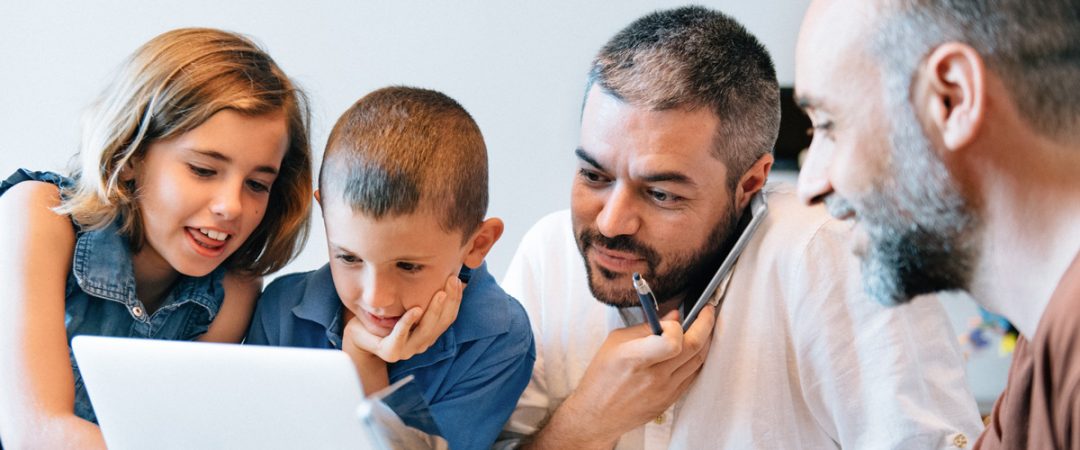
(485, 315)
(102, 268)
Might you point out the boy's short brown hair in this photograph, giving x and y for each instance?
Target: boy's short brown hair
(399, 149)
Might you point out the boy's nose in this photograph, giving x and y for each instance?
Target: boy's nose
(378, 294)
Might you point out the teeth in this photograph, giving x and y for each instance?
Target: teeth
(216, 235)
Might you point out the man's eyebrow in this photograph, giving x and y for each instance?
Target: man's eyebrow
(659, 177)
(221, 157)
(585, 156)
(669, 177)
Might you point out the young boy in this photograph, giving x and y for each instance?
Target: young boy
(403, 191)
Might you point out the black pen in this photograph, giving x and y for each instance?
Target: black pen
(648, 303)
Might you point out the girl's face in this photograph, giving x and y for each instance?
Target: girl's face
(203, 192)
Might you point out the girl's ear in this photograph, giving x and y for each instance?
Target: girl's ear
(481, 242)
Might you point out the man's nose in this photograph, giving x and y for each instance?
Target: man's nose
(814, 184)
(619, 215)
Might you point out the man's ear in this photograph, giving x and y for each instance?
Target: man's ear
(481, 242)
(949, 93)
(753, 180)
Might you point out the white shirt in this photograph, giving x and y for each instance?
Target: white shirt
(801, 357)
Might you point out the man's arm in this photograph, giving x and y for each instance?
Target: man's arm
(875, 376)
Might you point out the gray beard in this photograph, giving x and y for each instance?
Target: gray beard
(922, 233)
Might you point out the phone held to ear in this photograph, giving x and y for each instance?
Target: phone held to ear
(758, 210)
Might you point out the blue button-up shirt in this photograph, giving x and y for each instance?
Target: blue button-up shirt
(470, 378)
(100, 294)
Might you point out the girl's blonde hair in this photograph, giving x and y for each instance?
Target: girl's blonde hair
(169, 86)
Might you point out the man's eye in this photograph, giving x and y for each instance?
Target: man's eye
(591, 177)
(664, 198)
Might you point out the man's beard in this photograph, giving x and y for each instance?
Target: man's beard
(667, 275)
(921, 231)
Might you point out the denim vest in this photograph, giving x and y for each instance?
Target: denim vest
(100, 295)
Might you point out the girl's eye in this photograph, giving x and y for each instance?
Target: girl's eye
(201, 171)
(409, 267)
(258, 186)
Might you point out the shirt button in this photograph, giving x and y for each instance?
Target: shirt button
(137, 311)
(960, 441)
(659, 420)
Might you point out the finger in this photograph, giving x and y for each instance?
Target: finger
(431, 325)
(650, 349)
(361, 337)
(394, 344)
(697, 339)
(454, 290)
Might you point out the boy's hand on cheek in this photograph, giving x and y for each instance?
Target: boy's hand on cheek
(417, 329)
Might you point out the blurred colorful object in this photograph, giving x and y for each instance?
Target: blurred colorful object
(985, 330)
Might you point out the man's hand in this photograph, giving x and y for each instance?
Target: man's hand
(634, 377)
(415, 331)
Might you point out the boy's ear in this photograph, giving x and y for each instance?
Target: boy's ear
(481, 242)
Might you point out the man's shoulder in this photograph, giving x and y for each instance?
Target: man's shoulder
(795, 229)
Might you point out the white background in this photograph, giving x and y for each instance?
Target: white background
(517, 66)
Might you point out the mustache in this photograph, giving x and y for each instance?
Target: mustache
(622, 243)
(838, 207)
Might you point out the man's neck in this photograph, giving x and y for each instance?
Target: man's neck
(1030, 208)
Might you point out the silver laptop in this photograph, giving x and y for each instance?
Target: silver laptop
(185, 395)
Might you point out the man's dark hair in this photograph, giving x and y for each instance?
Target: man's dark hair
(402, 149)
(690, 58)
(1033, 45)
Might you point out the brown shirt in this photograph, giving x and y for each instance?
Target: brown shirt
(1040, 408)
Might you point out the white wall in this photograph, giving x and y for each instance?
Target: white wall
(518, 67)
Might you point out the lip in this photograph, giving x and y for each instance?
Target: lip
(202, 244)
(615, 261)
(382, 321)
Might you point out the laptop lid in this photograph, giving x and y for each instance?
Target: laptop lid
(174, 394)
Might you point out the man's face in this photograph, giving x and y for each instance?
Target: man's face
(913, 224)
(648, 197)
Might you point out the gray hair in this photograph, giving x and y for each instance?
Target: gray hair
(1033, 45)
(694, 57)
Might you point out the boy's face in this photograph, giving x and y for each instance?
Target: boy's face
(382, 268)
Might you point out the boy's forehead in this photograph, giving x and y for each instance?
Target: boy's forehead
(414, 232)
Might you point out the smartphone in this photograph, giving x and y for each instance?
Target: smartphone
(758, 210)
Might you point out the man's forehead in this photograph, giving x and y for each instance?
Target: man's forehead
(834, 44)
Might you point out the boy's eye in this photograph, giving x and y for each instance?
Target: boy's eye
(409, 267)
(348, 259)
(201, 171)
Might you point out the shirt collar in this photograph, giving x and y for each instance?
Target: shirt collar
(102, 268)
(486, 316)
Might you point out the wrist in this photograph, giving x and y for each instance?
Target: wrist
(570, 427)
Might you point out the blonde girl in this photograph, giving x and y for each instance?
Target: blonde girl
(193, 181)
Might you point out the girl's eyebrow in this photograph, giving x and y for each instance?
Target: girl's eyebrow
(221, 157)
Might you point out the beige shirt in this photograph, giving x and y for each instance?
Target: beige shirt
(802, 359)
(1040, 407)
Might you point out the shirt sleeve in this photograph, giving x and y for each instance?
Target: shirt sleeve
(875, 376)
(471, 414)
(522, 281)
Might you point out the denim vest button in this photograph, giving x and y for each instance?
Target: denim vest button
(137, 311)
